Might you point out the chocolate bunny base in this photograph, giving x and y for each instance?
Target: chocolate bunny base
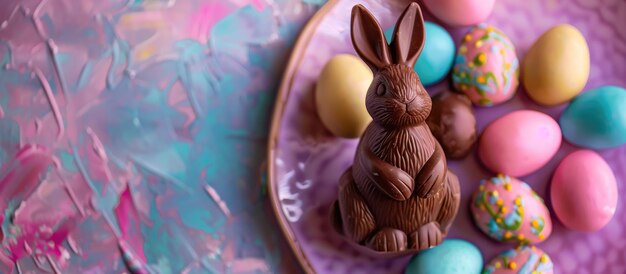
(398, 196)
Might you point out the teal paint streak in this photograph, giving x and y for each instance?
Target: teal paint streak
(169, 163)
(9, 134)
(5, 53)
(155, 97)
(246, 24)
(8, 215)
(67, 161)
(89, 33)
(85, 74)
(196, 71)
(120, 55)
(198, 219)
(159, 248)
(104, 202)
(167, 248)
(315, 2)
(63, 58)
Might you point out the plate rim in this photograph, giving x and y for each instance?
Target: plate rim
(284, 90)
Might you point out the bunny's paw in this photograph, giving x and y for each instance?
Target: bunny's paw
(427, 236)
(388, 240)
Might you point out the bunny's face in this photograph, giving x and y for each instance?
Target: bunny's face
(396, 98)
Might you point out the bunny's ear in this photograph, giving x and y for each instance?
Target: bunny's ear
(368, 39)
(408, 36)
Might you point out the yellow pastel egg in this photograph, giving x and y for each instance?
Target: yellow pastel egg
(340, 95)
(556, 67)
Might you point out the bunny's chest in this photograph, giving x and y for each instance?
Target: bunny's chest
(407, 149)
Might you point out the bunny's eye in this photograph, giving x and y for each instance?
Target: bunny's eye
(381, 89)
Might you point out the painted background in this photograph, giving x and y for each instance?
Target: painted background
(132, 134)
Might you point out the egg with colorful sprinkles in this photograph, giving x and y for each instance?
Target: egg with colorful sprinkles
(508, 210)
(521, 260)
(486, 66)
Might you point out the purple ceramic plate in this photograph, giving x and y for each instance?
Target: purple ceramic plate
(305, 160)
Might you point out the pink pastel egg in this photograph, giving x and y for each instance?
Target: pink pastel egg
(519, 143)
(522, 259)
(460, 12)
(584, 191)
(508, 210)
(486, 67)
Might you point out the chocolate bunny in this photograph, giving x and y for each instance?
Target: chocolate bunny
(399, 195)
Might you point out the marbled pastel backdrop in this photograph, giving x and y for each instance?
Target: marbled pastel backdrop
(132, 134)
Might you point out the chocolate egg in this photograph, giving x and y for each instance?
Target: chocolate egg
(508, 210)
(519, 143)
(523, 259)
(340, 95)
(460, 12)
(556, 67)
(453, 256)
(584, 191)
(453, 123)
(596, 119)
(486, 66)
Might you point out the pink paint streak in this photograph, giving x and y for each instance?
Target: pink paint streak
(177, 98)
(97, 145)
(68, 189)
(37, 15)
(21, 176)
(97, 163)
(86, 98)
(203, 21)
(258, 5)
(52, 100)
(218, 200)
(128, 220)
(248, 265)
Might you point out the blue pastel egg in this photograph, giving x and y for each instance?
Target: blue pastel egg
(596, 119)
(453, 256)
(437, 56)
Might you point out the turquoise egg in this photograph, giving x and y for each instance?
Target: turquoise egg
(453, 256)
(596, 119)
(437, 56)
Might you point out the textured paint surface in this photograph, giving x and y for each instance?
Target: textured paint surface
(132, 134)
(308, 161)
